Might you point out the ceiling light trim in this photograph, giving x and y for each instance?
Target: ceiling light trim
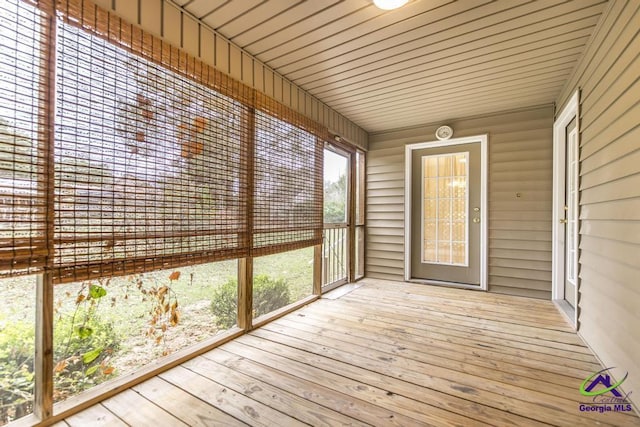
(389, 4)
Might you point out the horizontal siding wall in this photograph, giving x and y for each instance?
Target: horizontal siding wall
(166, 20)
(520, 161)
(609, 293)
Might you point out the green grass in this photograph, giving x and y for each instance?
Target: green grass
(296, 267)
(125, 301)
(127, 308)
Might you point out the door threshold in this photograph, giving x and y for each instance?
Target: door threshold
(334, 285)
(445, 284)
(341, 291)
(567, 310)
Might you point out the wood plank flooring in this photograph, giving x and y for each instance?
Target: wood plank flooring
(385, 353)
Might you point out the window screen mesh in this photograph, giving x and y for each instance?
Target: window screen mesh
(287, 193)
(23, 139)
(150, 167)
(155, 159)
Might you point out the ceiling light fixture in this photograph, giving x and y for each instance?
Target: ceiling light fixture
(389, 4)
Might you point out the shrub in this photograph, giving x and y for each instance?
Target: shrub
(268, 294)
(17, 349)
(82, 345)
(82, 350)
(224, 303)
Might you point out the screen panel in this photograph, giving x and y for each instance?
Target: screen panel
(23, 139)
(288, 186)
(150, 166)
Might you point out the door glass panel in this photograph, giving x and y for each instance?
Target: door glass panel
(458, 231)
(431, 189)
(458, 253)
(444, 209)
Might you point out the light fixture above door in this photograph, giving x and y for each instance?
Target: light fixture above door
(389, 4)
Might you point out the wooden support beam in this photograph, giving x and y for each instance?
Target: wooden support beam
(245, 293)
(43, 363)
(43, 390)
(317, 269)
(361, 220)
(245, 265)
(351, 218)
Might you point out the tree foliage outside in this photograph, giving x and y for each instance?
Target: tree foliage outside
(83, 346)
(16, 369)
(335, 200)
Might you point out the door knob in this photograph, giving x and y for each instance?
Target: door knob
(563, 221)
(476, 220)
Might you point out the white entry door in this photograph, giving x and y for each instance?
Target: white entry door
(565, 215)
(570, 222)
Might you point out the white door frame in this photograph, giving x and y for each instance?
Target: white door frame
(571, 110)
(484, 252)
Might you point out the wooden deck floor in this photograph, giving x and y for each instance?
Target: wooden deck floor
(386, 353)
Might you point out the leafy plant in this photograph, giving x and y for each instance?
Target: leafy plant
(16, 369)
(83, 344)
(268, 294)
(163, 309)
(224, 304)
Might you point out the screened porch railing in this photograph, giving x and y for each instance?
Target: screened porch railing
(334, 254)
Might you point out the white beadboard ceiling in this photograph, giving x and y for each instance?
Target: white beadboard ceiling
(427, 62)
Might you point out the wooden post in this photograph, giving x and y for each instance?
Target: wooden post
(43, 363)
(351, 230)
(361, 202)
(245, 265)
(43, 394)
(317, 269)
(245, 293)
